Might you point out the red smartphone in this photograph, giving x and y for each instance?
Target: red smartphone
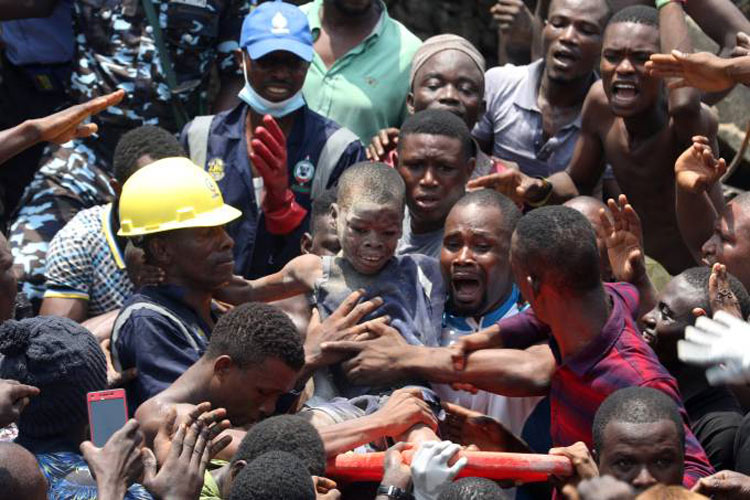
(108, 412)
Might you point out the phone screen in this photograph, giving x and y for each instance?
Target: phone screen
(107, 417)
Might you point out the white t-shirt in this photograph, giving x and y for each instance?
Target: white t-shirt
(510, 411)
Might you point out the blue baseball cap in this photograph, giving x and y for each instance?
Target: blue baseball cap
(276, 26)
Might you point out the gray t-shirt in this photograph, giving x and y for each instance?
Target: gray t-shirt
(513, 122)
(428, 244)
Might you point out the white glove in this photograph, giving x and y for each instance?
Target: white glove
(723, 342)
(429, 468)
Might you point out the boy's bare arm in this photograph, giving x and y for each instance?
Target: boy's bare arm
(295, 278)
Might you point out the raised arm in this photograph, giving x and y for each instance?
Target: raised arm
(624, 239)
(719, 19)
(684, 103)
(697, 173)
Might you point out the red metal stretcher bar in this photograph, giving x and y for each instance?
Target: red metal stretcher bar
(519, 467)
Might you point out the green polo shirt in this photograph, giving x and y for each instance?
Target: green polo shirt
(366, 89)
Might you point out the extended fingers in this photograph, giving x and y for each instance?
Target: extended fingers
(197, 411)
(348, 304)
(276, 134)
(20, 391)
(262, 157)
(362, 310)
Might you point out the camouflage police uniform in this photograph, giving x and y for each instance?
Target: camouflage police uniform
(115, 49)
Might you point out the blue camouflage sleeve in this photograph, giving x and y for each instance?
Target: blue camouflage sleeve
(229, 35)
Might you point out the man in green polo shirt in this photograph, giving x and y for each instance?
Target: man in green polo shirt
(359, 76)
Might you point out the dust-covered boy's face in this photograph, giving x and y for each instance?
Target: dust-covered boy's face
(369, 233)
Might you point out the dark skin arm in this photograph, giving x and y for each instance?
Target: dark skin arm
(581, 176)
(295, 278)
(684, 104)
(388, 358)
(75, 309)
(22, 9)
(697, 173)
(59, 128)
(587, 164)
(719, 19)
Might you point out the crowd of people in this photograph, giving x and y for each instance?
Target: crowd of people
(300, 233)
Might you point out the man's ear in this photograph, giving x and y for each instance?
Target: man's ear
(159, 251)
(306, 243)
(335, 210)
(410, 103)
(222, 366)
(699, 311)
(236, 468)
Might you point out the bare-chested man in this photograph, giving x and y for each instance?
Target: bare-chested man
(632, 123)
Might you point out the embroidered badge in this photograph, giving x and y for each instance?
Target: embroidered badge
(216, 169)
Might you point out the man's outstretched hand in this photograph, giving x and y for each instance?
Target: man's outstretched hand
(67, 124)
(381, 145)
(342, 325)
(697, 169)
(514, 184)
(190, 449)
(720, 294)
(702, 70)
(624, 239)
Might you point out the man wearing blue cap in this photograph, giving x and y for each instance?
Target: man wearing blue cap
(271, 155)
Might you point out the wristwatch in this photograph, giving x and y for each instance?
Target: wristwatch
(394, 492)
(545, 192)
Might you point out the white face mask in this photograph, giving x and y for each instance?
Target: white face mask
(263, 106)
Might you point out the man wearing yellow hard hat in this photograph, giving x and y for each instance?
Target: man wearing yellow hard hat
(175, 212)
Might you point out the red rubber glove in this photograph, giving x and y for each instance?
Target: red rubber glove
(268, 154)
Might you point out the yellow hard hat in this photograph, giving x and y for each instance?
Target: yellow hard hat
(172, 193)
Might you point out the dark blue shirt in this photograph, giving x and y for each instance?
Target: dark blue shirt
(256, 251)
(160, 335)
(46, 40)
